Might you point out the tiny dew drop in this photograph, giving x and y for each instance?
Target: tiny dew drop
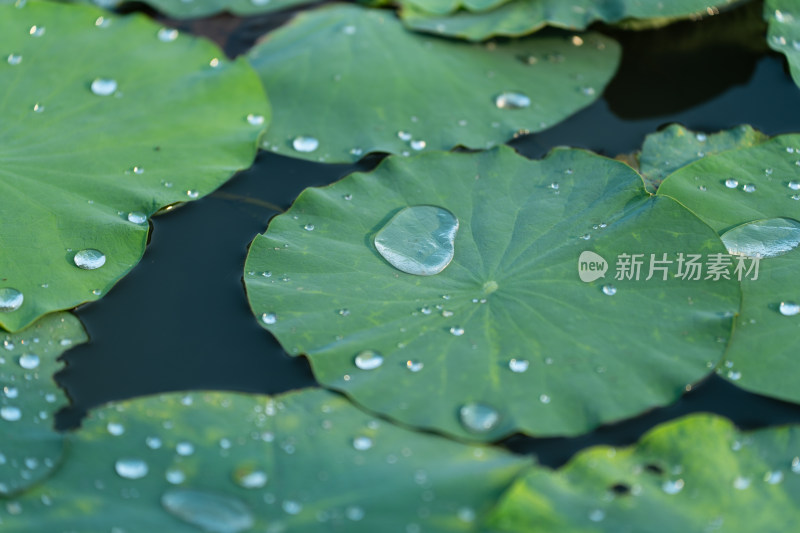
(518, 365)
(137, 217)
(131, 468)
(37, 31)
(749, 187)
(672, 487)
(457, 331)
(414, 366)
(362, 443)
(609, 290)
(478, 417)
(403, 135)
(418, 144)
(213, 512)
(512, 100)
(789, 308)
(255, 120)
(269, 318)
(167, 35)
(250, 478)
(794, 185)
(104, 86)
(115, 428)
(305, 144)
(544, 398)
(10, 299)
(731, 183)
(29, 361)
(309, 227)
(368, 360)
(184, 448)
(291, 507)
(89, 259)
(14, 59)
(192, 194)
(175, 476)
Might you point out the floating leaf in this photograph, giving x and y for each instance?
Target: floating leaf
(698, 473)
(29, 446)
(762, 355)
(521, 17)
(675, 146)
(104, 123)
(443, 7)
(222, 462)
(325, 63)
(202, 8)
(783, 35)
(507, 337)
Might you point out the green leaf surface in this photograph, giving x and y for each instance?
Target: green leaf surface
(443, 7)
(182, 9)
(508, 326)
(522, 17)
(304, 461)
(346, 81)
(675, 146)
(783, 34)
(75, 163)
(698, 473)
(762, 356)
(29, 446)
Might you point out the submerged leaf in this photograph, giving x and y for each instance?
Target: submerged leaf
(104, 123)
(413, 93)
(507, 337)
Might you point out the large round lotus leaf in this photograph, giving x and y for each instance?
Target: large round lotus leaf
(521, 17)
(203, 8)
(346, 81)
(783, 35)
(101, 117)
(695, 474)
(763, 352)
(29, 446)
(221, 462)
(674, 147)
(443, 7)
(507, 337)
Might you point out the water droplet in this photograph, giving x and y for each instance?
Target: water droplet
(175, 476)
(137, 217)
(404, 135)
(309, 227)
(544, 398)
(702, 188)
(291, 507)
(104, 86)
(250, 478)
(354, 513)
(153, 443)
(701, 137)
(672, 487)
(37, 31)
(356, 151)
(349, 30)
(731, 183)
(741, 483)
(794, 185)
(10, 393)
(749, 187)
(511, 100)
(14, 59)
(518, 365)
(763, 238)
(38, 108)
(734, 375)
(609, 290)
(184, 448)
(478, 417)
(269, 318)
(789, 308)
(305, 144)
(131, 468)
(362, 443)
(115, 428)
(10, 413)
(457, 331)
(418, 144)
(192, 194)
(29, 361)
(588, 91)
(214, 63)
(586, 237)
(368, 360)
(419, 239)
(773, 477)
(255, 120)
(10, 299)
(414, 366)
(343, 312)
(597, 515)
(167, 35)
(216, 513)
(89, 259)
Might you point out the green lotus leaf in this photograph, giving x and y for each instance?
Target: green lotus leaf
(338, 95)
(29, 446)
(223, 462)
(676, 146)
(522, 17)
(762, 356)
(507, 337)
(181, 9)
(698, 473)
(783, 35)
(443, 7)
(105, 121)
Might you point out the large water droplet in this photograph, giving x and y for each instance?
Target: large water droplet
(789, 308)
(368, 360)
(10, 413)
(89, 259)
(478, 417)
(512, 100)
(419, 239)
(250, 478)
(305, 144)
(10, 299)
(763, 238)
(29, 361)
(214, 513)
(104, 86)
(131, 468)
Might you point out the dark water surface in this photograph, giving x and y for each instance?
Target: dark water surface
(181, 321)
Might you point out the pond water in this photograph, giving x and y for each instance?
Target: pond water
(180, 319)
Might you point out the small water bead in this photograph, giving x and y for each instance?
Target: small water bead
(773, 477)
(362, 443)
(544, 398)
(789, 308)
(512, 100)
(37, 31)
(731, 183)
(588, 91)
(701, 137)
(104, 86)
(672, 487)
(309, 227)
(14, 59)
(291, 507)
(368, 360)
(741, 483)
(518, 365)
(250, 478)
(89, 259)
(349, 30)
(136, 217)
(38, 108)
(457, 331)
(418, 144)
(154, 443)
(102, 22)
(796, 197)
(478, 417)
(354, 513)
(586, 237)
(10, 392)
(414, 366)
(609, 290)
(211, 512)
(794, 185)
(749, 187)
(343, 312)
(702, 188)
(214, 63)
(10, 299)
(29, 361)
(192, 194)
(167, 35)
(184, 448)
(403, 135)
(131, 468)
(356, 151)
(418, 239)
(269, 318)
(175, 476)
(554, 186)
(10, 413)
(447, 314)
(734, 375)
(597, 515)
(255, 120)
(305, 144)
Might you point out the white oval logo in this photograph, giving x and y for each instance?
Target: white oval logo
(591, 266)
